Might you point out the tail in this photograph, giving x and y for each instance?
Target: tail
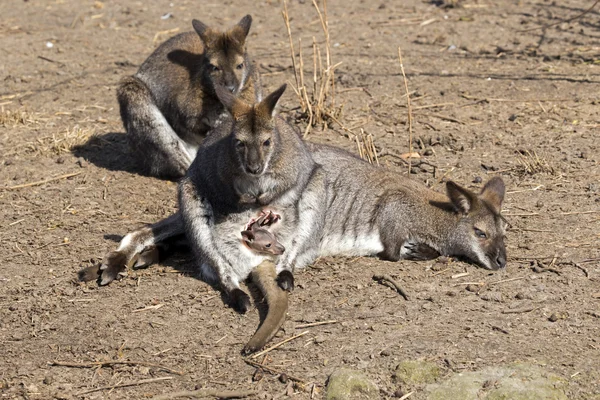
(264, 277)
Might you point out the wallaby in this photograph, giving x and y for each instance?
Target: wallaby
(170, 105)
(259, 238)
(253, 159)
(374, 211)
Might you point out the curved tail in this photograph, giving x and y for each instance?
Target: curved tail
(264, 276)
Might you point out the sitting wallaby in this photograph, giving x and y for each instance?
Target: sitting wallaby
(259, 238)
(170, 105)
(253, 159)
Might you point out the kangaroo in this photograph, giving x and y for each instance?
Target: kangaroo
(170, 105)
(259, 238)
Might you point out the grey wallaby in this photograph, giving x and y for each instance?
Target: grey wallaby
(345, 206)
(170, 105)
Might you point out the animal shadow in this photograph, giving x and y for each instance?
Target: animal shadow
(109, 151)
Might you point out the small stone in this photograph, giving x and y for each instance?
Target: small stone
(60, 160)
(399, 393)
(283, 378)
(472, 288)
(386, 353)
(48, 380)
(81, 162)
(477, 179)
(557, 315)
(513, 117)
(12, 308)
(520, 296)
(428, 152)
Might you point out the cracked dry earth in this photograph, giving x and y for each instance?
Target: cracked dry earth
(488, 99)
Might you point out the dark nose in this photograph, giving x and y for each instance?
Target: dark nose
(253, 169)
(501, 260)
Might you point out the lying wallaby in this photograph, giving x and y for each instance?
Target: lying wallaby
(259, 238)
(169, 105)
(375, 211)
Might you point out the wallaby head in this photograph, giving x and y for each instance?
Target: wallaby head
(254, 135)
(226, 54)
(263, 241)
(479, 234)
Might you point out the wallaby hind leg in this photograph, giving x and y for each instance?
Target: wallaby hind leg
(156, 146)
(139, 247)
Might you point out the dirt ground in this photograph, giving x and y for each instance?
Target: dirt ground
(488, 99)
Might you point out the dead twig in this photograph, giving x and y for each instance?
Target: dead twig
(111, 363)
(576, 265)
(260, 353)
(563, 21)
(388, 279)
(219, 394)
(120, 385)
(272, 370)
(37, 183)
(333, 321)
(521, 311)
(408, 106)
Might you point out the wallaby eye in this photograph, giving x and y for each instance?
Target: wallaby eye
(214, 68)
(267, 143)
(268, 245)
(480, 234)
(239, 144)
(240, 66)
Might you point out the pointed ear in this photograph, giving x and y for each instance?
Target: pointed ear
(493, 193)
(461, 198)
(266, 108)
(240, 31)
(235, 106)
(248, 236)
(201, 29)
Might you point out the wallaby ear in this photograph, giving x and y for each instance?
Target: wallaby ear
(266, 108)
(493, 193)
(461, 198)
(244, 26)
(201, 29)
(235, 106)
(248, 236)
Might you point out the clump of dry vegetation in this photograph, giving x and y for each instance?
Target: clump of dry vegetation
(67, 140)
(366, 147)
(317, 98)
(13, 118)
(530, 163)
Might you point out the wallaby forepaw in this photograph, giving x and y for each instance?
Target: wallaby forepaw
(146, 258)
(239, 300)
(89, 273)
(285, 280)
(113, 264)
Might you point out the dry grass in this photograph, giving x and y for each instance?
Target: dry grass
(530, 163)
(317, 98)
(65, 141)
(14, 118)
(366, 147)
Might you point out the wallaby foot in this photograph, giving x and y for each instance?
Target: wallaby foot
(239, 300)
(285, 280)
(113, 264)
